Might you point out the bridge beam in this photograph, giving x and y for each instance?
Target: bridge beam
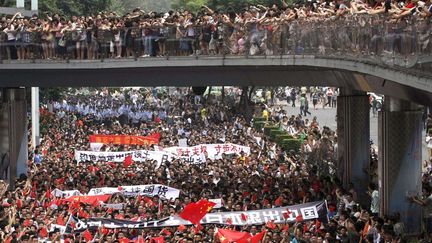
(400, 157)
(353, 141)
(14, 137)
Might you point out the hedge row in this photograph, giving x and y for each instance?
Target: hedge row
(275, 133)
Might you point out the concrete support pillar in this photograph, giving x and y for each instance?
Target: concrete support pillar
(400, 157)
(14, 141)
(34, 5)
(20, 3)
(353, 141)
(35, 116)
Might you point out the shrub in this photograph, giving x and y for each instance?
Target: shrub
(275, 132)
(281, 137)
(291, 144)
(267, 129)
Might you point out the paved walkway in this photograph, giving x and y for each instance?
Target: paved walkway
(327, 117)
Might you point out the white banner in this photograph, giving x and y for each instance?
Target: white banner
(115, 206)
(218, 201)
(194, 159)
(137, 155)
(65, 194)
(96, 146)
(162, 191)
(211, 150)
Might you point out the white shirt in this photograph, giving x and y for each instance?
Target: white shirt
(375, 202)
(429, 141)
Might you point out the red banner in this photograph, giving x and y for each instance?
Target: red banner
(125, 139)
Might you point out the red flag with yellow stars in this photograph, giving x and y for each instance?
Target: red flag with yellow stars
(194, 212)
(225, 236)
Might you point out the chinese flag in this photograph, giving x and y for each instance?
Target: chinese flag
(229, 221)
(254, 239)
(127, 161)
(105, 231)
(88, 199)
(48, 193)
(87, 235)
(254, 197)
(196, 229)
(286, 214)
(317, 225)
(166, 232)
(140, 239)
(271, 225)
(124, 240)
(19, 203)
(278, 201)
(112, 164)
(244, 217)
(27, 223)
(159, 239)
(60, 220)
(181, 228)
(43, 232)
(194, 212)
(149, 202)
(226, 236)
(83, 214)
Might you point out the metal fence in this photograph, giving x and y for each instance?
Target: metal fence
(406, 43)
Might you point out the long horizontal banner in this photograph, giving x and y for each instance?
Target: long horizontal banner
(307, 211)
(162, 191)
(212, 151)
(137, 155)
(125, 139)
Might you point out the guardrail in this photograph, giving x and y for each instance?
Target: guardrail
(365, 38)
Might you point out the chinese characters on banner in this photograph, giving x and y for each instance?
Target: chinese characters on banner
(212, 151)
(137, 155)
(125, 139)
(193, 155)
(307, 211)
(162, 191)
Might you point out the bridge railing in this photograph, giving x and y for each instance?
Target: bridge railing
(405, 44)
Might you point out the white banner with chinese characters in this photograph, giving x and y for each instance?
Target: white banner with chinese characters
(212, 151)
(162, 191)
(65, 194)
(137, 155)
(281, 215)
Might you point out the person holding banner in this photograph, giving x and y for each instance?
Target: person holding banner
(257, 187)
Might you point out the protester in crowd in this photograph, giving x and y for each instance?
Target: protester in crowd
(268, 177)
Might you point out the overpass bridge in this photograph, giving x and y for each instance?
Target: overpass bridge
(400, 121)
(276, 70)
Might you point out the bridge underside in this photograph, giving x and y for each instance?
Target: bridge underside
(213, 76)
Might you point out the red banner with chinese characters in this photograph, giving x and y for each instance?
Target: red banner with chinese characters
(125, 139)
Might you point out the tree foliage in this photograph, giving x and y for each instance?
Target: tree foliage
(77, 8)
(90, 7)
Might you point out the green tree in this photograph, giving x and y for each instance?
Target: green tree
(69, 8)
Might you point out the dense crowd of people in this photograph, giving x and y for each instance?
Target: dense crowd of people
(354, 27)
(268, 177)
